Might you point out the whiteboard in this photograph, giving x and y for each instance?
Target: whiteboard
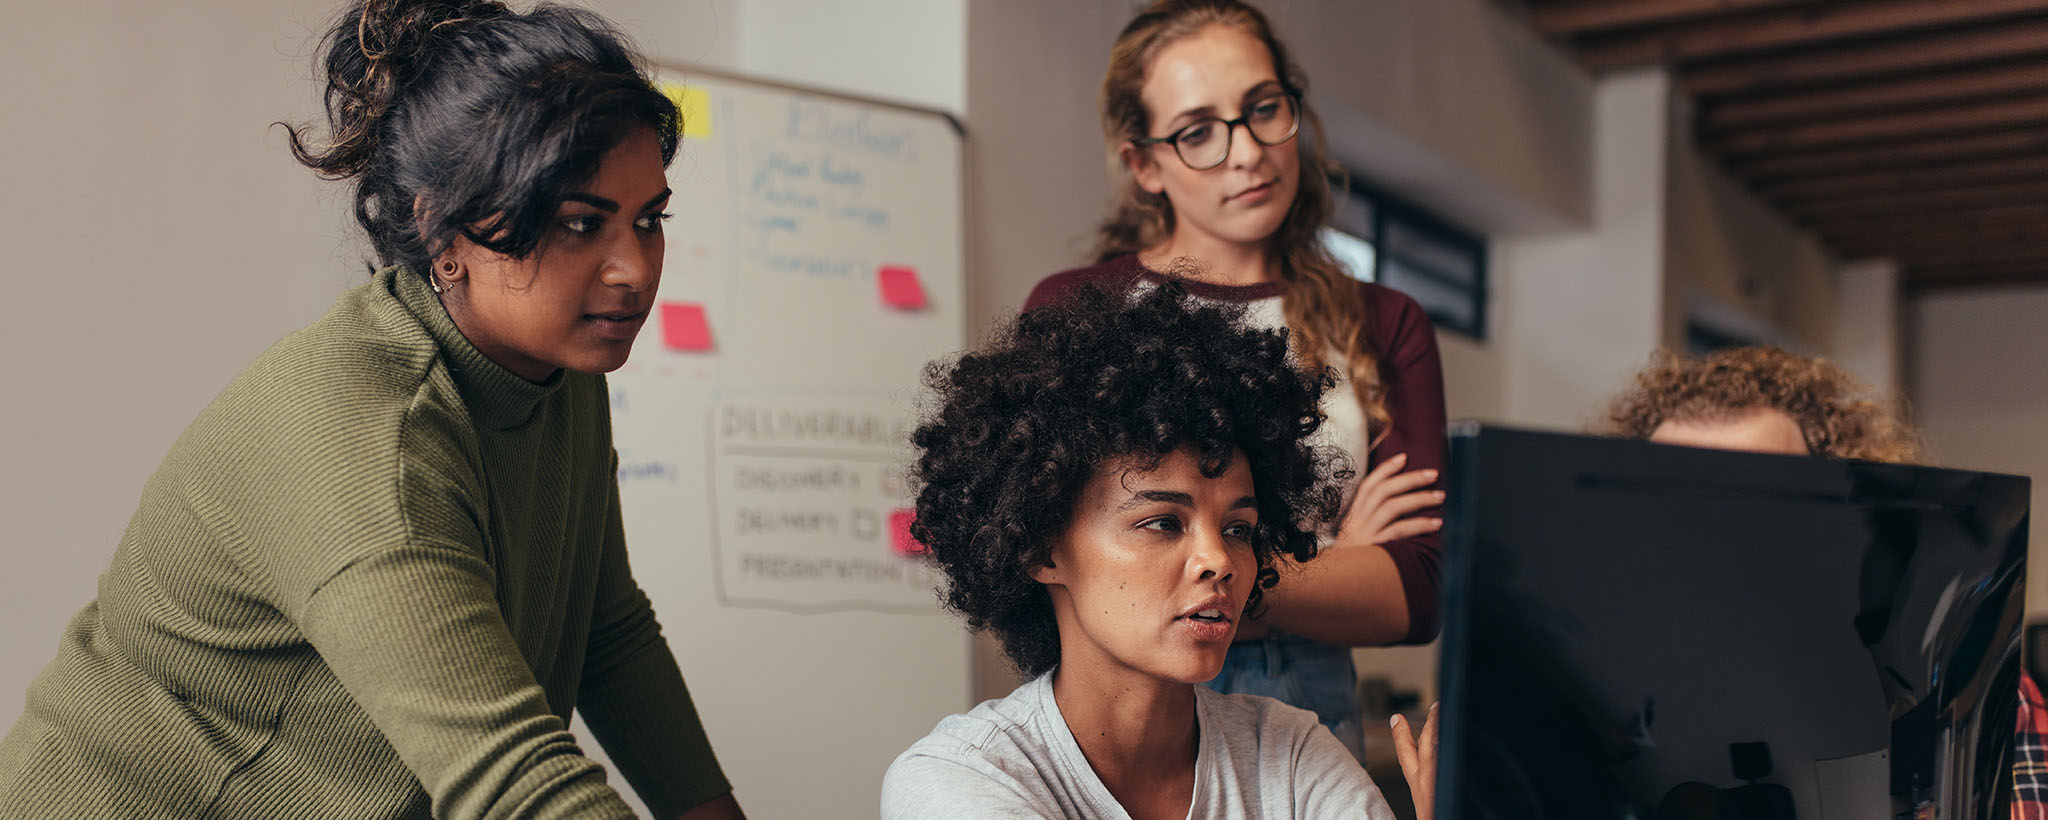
(814, 266)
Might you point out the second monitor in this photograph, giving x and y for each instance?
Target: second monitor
(1661, 633)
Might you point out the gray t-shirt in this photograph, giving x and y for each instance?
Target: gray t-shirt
(1015, 758)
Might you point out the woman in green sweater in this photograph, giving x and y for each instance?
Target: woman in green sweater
(376, 575)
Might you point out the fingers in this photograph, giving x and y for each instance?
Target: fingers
(1407, 482)
(1401, 506)
(1374, 493)
(1407, 528)
(1382, 508)
(1368, 494)
(1418, 761)
(1404, 748)
(1386, 479)
(1393, 518)
(1427, 750)
(1382, 470)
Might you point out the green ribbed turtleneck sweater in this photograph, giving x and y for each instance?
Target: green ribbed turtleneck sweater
(370, 581)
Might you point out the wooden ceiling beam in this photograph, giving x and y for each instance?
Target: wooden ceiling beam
(2017, 257)
(1572, 17)
(1936, 245)
(1927, 202)
(1991, 219)
(1881, 157)
(1894, 93)
(1921, 229)
(1979, 116)
(1908, 179)
(1980, 44)
(2031, 276)
(1787, 28)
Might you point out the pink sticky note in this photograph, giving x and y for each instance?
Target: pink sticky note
(683, 326)
(900, 288)
(899, 532)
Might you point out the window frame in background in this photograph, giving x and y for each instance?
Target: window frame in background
(1367, 214)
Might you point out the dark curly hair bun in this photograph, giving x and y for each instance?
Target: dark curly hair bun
(1014, 429)
(366, 71)
(465, 118)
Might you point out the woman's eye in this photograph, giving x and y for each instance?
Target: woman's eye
(1240, 530)
(1164, 523)
(1197, 134)
(1266, 111)
(583, 224)
(651, 223)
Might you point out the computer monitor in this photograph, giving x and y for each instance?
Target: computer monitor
(1634, 630)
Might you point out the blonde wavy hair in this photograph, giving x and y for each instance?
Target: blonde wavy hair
(1318, 298)
(1838, 415)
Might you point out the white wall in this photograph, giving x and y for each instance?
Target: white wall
(1978, 377)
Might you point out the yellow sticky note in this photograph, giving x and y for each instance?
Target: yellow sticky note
(695, 106)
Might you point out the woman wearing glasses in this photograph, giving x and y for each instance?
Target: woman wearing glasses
(1224, 179)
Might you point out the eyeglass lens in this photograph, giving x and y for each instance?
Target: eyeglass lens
(1205, 144)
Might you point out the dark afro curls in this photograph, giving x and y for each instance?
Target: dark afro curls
(1014, 430)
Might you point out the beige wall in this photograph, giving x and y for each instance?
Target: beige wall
(1728, 247)
(1452, 104)
(155, 236)
(1577, 313)
(1868, 319)
(1037, 178)
(1978, 377)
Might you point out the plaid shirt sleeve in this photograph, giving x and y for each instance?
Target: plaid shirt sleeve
(2030, 755)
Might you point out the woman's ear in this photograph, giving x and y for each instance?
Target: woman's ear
(1143, 170)
(450, 268)
(1049, 572)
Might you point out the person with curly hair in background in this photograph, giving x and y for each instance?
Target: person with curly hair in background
(1107, 486)
(377, 574)
(1222, 182)
(1761, 399)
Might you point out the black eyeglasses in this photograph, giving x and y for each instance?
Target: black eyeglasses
(1204, 144)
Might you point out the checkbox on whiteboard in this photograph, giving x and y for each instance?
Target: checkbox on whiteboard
(683, 326)
(900, 288)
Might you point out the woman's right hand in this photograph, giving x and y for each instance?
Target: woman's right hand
(1382, 509)
(1417, 754)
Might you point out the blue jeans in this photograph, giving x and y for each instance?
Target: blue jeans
(1300, 673)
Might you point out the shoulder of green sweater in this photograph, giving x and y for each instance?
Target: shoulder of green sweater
(304, 461)
(336, 394)
(364, 362)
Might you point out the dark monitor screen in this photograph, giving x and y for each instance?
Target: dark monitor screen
(1635, 630)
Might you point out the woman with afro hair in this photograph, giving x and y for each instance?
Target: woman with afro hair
(1106, 486)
